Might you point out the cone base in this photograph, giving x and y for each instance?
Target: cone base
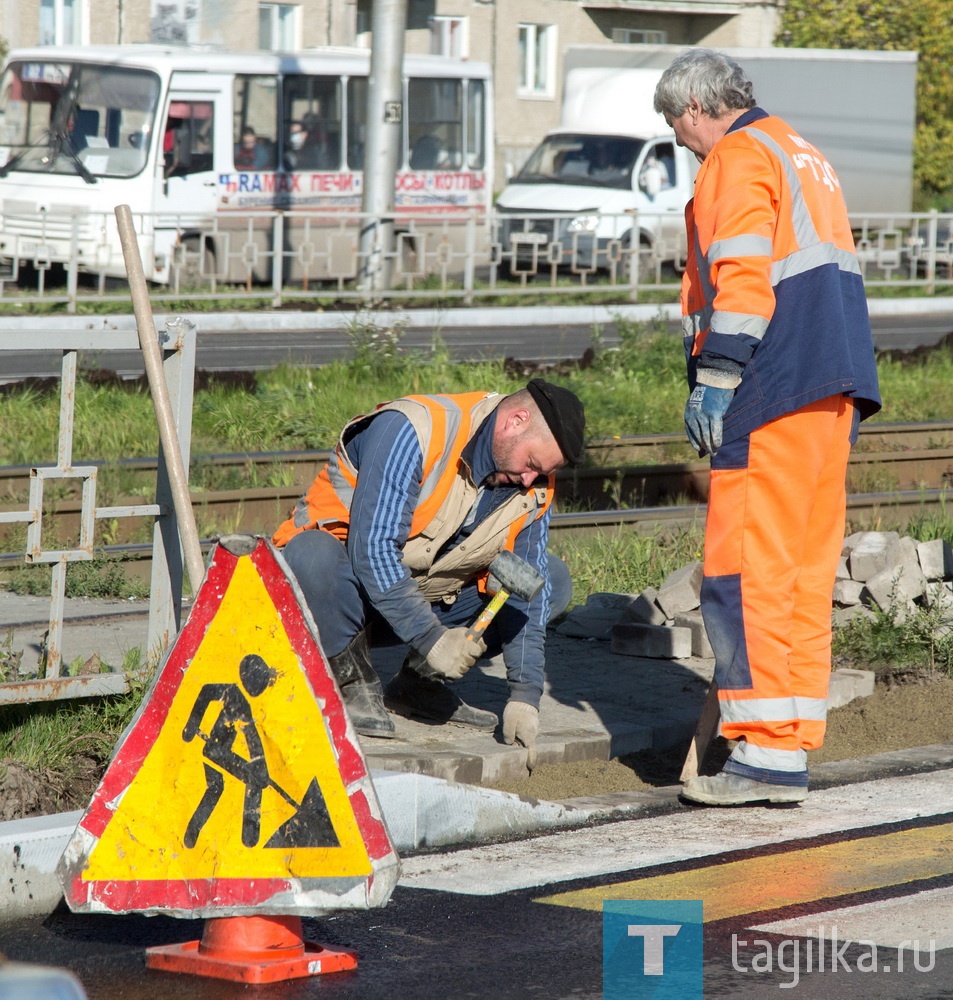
(251, 950)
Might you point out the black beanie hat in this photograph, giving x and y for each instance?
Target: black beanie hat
(563, 412)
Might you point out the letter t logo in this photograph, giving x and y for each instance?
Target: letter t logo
(653, 938)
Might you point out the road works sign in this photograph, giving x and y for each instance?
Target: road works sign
(240, 787)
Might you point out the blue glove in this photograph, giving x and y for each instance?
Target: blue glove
(704, 413)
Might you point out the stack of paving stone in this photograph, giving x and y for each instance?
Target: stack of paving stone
(881, 569)
(877, 569)
(658, 624)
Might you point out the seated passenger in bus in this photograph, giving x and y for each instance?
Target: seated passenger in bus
(311, 147)
(252, 153)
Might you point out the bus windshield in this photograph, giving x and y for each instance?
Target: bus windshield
(62, 118)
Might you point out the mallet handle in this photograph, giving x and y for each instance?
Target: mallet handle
(488, 614)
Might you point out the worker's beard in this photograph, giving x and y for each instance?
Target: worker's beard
(504, 463)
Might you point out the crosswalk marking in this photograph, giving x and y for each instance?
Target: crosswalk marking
(684, 835)
(804, 875)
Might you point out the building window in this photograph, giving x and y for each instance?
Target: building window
(277, 27)
(537, 60)
(61, 22)
(362, 26)
(639, 36)
(448, 36)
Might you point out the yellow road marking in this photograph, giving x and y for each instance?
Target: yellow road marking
(799, 876)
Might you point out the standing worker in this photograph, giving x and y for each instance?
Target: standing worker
(416, 500)
(781, 372)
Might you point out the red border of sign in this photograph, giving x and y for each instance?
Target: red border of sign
(226, 893)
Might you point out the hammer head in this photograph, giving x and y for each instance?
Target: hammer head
(516, 576)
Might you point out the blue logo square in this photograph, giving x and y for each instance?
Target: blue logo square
(652, 949)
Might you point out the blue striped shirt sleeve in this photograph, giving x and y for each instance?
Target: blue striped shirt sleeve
(390, 465)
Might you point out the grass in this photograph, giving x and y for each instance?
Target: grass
(636, 387)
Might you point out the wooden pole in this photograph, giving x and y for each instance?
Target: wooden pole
(168, 436)
(705, 732)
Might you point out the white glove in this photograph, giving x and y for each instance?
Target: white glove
(521, 723)
(453, 653)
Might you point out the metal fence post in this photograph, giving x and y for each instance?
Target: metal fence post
(278, 257)
(165, 605)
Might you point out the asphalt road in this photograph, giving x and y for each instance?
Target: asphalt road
(547, 340)
(866, 866)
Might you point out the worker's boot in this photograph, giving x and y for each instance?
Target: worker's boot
(361, 688)
(418, 690)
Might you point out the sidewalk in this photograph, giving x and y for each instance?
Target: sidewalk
(597, 705)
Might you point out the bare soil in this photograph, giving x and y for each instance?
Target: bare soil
(895, 717)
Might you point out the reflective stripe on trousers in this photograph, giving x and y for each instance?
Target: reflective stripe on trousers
(774, 534)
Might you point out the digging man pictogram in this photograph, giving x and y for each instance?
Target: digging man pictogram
(310, 826)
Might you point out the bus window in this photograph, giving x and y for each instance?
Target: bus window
(187, 138)
(476, 122)
(95, 121)
(256, 122)
(311, 117)
(356, 116)
(435, 124)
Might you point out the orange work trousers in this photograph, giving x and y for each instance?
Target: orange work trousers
(774, 534)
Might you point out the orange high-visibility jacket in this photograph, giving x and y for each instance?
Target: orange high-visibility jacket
(443, 424)
(772, 280)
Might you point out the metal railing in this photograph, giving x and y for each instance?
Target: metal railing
(177, 344)
(286, 256)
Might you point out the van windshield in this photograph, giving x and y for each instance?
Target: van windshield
(593, 160)
(74, 118)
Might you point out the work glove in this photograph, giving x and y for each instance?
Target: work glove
(704, 414)
(454, 653)
(521, 724)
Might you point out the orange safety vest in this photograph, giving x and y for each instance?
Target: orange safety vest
(772, 280)
(444, 425)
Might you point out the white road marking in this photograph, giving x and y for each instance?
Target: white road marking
(685, 835)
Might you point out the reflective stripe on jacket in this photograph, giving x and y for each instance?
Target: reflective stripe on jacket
(443, 425)
(772, 280)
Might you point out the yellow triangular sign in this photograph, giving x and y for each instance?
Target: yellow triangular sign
(240, 771)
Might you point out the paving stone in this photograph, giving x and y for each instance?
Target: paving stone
(847, 684)
(645, 609)
(693, 621)
(587, 621)
(652, 641)
(872, 554)
(843, 573)
(936, 559)
(848, 592)
(844, 616)
(681, 590)
(902, 581)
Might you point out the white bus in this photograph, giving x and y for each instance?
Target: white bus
(209, 148)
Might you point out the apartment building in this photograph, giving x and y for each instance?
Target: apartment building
(523, 40)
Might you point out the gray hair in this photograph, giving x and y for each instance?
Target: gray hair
(718, 83)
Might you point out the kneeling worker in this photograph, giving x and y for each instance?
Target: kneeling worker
(416, 500)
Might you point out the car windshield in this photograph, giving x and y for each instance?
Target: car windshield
(593, 160)
(74, 118)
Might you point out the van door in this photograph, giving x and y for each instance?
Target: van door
(186, 183)
(665, 178)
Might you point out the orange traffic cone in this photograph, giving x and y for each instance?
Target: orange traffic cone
(251, 950)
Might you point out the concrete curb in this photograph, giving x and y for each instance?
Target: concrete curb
(437, 319)
(424, 812)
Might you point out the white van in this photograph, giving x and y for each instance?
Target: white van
(611, 178)
(612, 160)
